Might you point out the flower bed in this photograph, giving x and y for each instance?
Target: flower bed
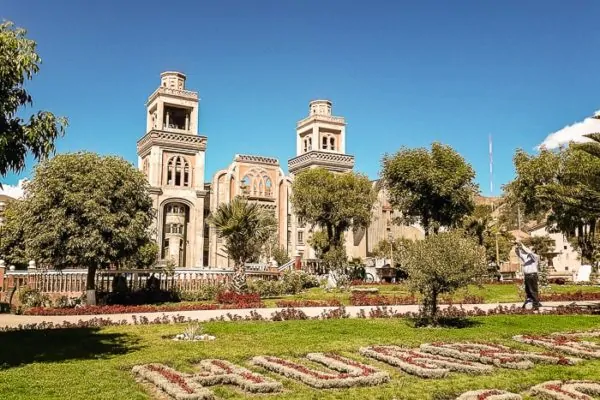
(422, 364)
(177, 385)
(489, 394)
(219, 372)
(565, 344)
(118, 309)
(350, 373)
(238, 298)
(577, 296)
(570, 390)
(495, 354)
(308, 303)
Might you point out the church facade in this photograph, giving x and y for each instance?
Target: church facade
(172, 156)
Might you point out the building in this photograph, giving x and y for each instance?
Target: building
(565, 259)
(172, 155)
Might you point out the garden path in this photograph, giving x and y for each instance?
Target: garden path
(10, 320)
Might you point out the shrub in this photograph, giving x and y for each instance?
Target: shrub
(363, 299)
(238, 298)
(138, 297)
(295, 281)
(32, 298)
(206, 291)
(308, 303)
(266, 288)
(440, 264)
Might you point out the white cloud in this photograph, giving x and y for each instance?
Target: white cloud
(572, 133)
(15, 192)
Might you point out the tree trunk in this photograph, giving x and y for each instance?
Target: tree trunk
(429, 310)
(90, 286)
(238, 281)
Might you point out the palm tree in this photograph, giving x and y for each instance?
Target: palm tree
(245, 227)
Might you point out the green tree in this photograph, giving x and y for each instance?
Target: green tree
(334, 203)
(432, 187)
(12, 244)
(442, 263)
(84, 210)
(485, 229)
(563, 185)
(19, 62)
(396, 248)
(280, 255)
(245, 227)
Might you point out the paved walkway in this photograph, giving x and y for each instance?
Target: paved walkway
(9, 320)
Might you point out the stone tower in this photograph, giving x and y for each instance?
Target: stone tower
(321, 141)
(171, 154)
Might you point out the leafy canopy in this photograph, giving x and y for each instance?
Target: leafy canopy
(333, 202)
(564, 185)
(83, 210)
(433, 187)
(19, 62)
(442, 263)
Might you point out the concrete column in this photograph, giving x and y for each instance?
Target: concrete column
(167, 123)
(187, 122)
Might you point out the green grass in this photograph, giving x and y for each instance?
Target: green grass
(490, 293)
(95, 363)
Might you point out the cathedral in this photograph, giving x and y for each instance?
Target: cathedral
(172, 156)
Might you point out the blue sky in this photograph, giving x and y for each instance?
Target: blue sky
(402, 73)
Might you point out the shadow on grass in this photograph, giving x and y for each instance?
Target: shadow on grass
(446, 322)
(56, 345)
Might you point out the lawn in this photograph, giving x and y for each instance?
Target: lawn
(95, 363)
(506, 293)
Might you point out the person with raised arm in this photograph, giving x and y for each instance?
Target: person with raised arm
(530, 262)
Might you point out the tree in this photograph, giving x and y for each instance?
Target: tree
(433, 187)
(334, 203)
(564, 185)
(84, 210)
(280, 255)
(481, 225)
(19, 62)
(245, 227)
(397, 248)
(12, 244)
(442, 263)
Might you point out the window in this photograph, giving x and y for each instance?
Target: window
(565, 246)
(324, 147)
(245, 185)
(301, 222)
(305, 145)
(178, 171)
(332, 143)
(300, 237)
(268, 185)
(566, 268)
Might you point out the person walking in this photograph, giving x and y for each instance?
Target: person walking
(530, 262)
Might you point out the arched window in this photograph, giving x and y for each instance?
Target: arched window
(309, 144)
(324, 147)
(245, 186)
(178, 171)
(332, 143)
(268, 187)
(305, 145)
(261, 188)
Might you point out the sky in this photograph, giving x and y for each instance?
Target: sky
(402, 73)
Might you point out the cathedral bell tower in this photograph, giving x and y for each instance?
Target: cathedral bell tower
(171, 154)
(321, 141)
